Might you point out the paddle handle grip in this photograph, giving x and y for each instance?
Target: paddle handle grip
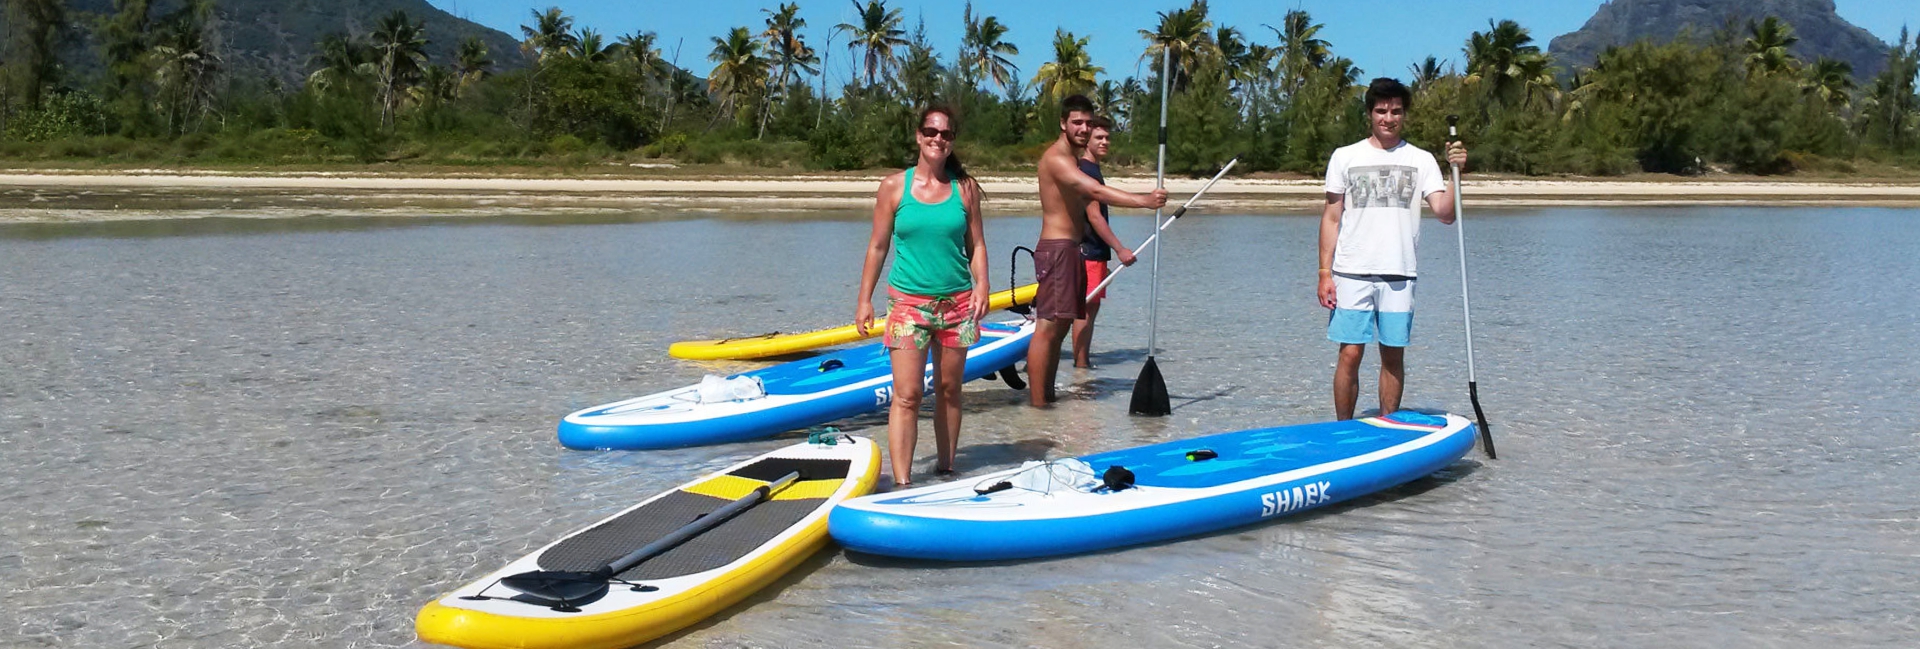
(709, 521)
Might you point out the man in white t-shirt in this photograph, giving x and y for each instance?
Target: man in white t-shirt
(1367, 236)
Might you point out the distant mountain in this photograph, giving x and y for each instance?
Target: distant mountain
(276, 38)
(1822, 32)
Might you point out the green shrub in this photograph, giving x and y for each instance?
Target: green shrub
(61, 116)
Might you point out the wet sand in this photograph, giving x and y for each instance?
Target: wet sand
(67, 196)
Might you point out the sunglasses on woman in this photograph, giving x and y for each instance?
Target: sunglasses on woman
(931, 132)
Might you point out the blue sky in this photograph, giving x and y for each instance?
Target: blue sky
(1383, 37)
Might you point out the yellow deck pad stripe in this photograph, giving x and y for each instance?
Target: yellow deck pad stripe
(805, 489)
(731, 487)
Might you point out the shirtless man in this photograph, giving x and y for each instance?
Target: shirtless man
(1065, 191)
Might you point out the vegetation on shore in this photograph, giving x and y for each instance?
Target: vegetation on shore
(1279, 95)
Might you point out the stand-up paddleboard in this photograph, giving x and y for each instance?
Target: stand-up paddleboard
(798, 394)
(775, 344)
(550, 599)
(1178, 489)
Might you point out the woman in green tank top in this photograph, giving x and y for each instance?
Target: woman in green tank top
(929, 217)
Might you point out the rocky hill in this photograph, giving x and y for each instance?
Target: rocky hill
(1821, 30)
(276, 38)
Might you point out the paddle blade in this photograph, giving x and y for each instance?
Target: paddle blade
(1012, 377)
(1150, 393)
(559, 587)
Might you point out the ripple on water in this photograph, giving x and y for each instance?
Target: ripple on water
(246, 434)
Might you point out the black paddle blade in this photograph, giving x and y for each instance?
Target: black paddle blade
(1486, 432)
(1150, 393)
(1012, 377)
(559, 587)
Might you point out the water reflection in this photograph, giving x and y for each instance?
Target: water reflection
(243, 431)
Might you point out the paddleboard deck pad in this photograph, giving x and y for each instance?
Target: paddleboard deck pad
(799, 394)
(1179, 488)
(693, 580)
(775, 344)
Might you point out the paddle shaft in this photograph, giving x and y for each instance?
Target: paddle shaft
(701, 524)
(1162, 226)
(1466, 309)
(1159, 182)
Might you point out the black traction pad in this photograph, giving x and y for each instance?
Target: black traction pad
(724, 544)
(773, 468)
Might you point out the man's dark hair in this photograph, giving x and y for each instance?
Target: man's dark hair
(1075, 104)
(1385, 88)
(1101, 122)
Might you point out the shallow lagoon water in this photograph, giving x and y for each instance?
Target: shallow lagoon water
(239, 432)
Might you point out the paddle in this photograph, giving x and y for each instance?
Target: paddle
(1177, 213)
(1460, 229)
(1150, 390)
(562, 588)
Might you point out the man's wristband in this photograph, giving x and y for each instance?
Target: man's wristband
(1326, 271)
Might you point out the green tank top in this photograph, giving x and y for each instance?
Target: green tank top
(930, 245)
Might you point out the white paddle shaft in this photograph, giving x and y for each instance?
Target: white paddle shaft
(1156, 231)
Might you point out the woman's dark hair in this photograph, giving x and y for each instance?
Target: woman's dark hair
(954, 169)
(1385, 88)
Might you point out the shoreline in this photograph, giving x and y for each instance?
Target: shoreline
(51, 196)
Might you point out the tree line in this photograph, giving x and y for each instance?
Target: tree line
(1279, 95)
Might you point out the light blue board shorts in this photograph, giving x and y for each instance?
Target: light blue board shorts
(1371, 307)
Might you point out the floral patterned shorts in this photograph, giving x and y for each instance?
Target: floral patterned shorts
(917, 321)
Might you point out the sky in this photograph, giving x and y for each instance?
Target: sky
(1383, 37)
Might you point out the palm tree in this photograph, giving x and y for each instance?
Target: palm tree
(783, 41)
(879, 34)
(1257, 75)
(1130, 92)
(437, 85)
(1071, 71)
(1301, 49)
(1504, 61)
(1230, 45)
(1831, 82)
(400, 48)
(1426, 72)
(1766, 48)
(471, 62)
(1257, 65)
(1888, 108)
(550, 34)
(983, 53)
(638, 49)
(588, 45)
(1184, 33)
(1106, 98)
(342, 59)
(184, 71)
(738, 68)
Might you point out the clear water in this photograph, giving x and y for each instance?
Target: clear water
(243, 432)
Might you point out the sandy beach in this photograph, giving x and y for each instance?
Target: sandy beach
(66, 196)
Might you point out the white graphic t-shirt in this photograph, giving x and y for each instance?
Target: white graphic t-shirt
(1384, 189)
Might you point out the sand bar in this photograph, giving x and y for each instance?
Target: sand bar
(40, 196)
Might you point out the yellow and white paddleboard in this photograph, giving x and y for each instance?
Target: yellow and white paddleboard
(695, 579)
(775, 344)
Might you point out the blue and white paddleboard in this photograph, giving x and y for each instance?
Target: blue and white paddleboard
(798, 394)
(1062, 507)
